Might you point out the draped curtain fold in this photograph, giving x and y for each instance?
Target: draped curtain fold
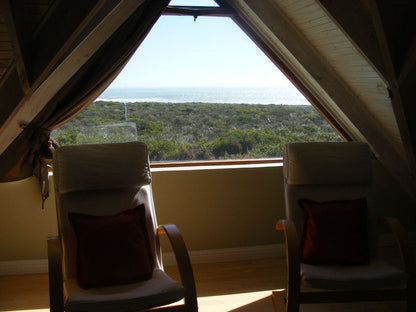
(31, 152)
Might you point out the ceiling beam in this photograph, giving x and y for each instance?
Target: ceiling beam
(26, 63)
(409, 63)
(305, 60)
(354, 20)
(399, 107)
(10, 81)
(196, 11)
(52, 41)
(29, 107)
(13, 19)
(260, 42)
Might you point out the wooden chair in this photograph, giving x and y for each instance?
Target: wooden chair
(101, 181)
(331, 172)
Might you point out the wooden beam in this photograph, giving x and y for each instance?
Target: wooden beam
(355, 21)
(290, 45)
(54, 39)
(396, 98)
(8, 100)
(12, 21)
(260, 42)
(196, 11)
(409, 63)
(29, 107)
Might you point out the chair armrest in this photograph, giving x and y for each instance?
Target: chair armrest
(55, 274)
(402, 240)
(292, 257)
(183, 261)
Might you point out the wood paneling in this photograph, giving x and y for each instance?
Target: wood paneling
(330, 41)
(244, 286)
(19, 21)
(8, 99)
(324, 74)
(354, 19)
(28, 107)
(5, 47)
(58, 31)
(404, 121)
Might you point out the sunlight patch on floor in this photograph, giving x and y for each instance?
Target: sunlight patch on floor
(243, 302)
(262, 301)
(33, 310)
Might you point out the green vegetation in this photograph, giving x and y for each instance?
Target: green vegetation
(196, 131)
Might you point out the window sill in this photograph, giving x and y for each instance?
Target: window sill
(210, 164)
(215, 164)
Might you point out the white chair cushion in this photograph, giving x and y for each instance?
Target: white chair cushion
(327, 163)
(101, 167)
(377, 274)
(159, 290)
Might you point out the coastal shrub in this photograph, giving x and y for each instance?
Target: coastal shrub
(198, 131)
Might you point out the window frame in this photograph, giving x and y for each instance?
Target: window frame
(225, 162)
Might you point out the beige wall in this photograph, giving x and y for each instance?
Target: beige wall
(222, 208)
(24, 226)
(213, 208)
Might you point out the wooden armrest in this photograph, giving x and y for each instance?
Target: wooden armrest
(183, 261)
(292, 257)
(55, 274)
(402, 240)
(279, 225)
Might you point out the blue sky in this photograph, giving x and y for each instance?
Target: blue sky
(211, 52)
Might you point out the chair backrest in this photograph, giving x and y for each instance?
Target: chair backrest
(327, 171)
(101, 179)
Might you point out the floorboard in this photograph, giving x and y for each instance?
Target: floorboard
(244, 286)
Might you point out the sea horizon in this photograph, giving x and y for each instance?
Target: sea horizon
(226, 95)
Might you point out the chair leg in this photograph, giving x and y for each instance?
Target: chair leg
(279, 300)
(55, 275)
(191, 307)
(411, 297)
(283, 302)
(292, 302)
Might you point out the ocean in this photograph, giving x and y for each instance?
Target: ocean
(276, 95)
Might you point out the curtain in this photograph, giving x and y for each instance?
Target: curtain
(31, 152)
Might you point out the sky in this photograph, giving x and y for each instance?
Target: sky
(210, 52)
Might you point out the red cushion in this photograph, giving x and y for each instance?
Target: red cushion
(112, 250)
(334, 232)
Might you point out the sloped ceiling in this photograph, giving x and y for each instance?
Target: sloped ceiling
(46, 55)
(355, 60)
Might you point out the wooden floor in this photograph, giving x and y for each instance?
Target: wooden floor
(231, 286)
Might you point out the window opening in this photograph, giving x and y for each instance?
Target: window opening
(199, 91)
